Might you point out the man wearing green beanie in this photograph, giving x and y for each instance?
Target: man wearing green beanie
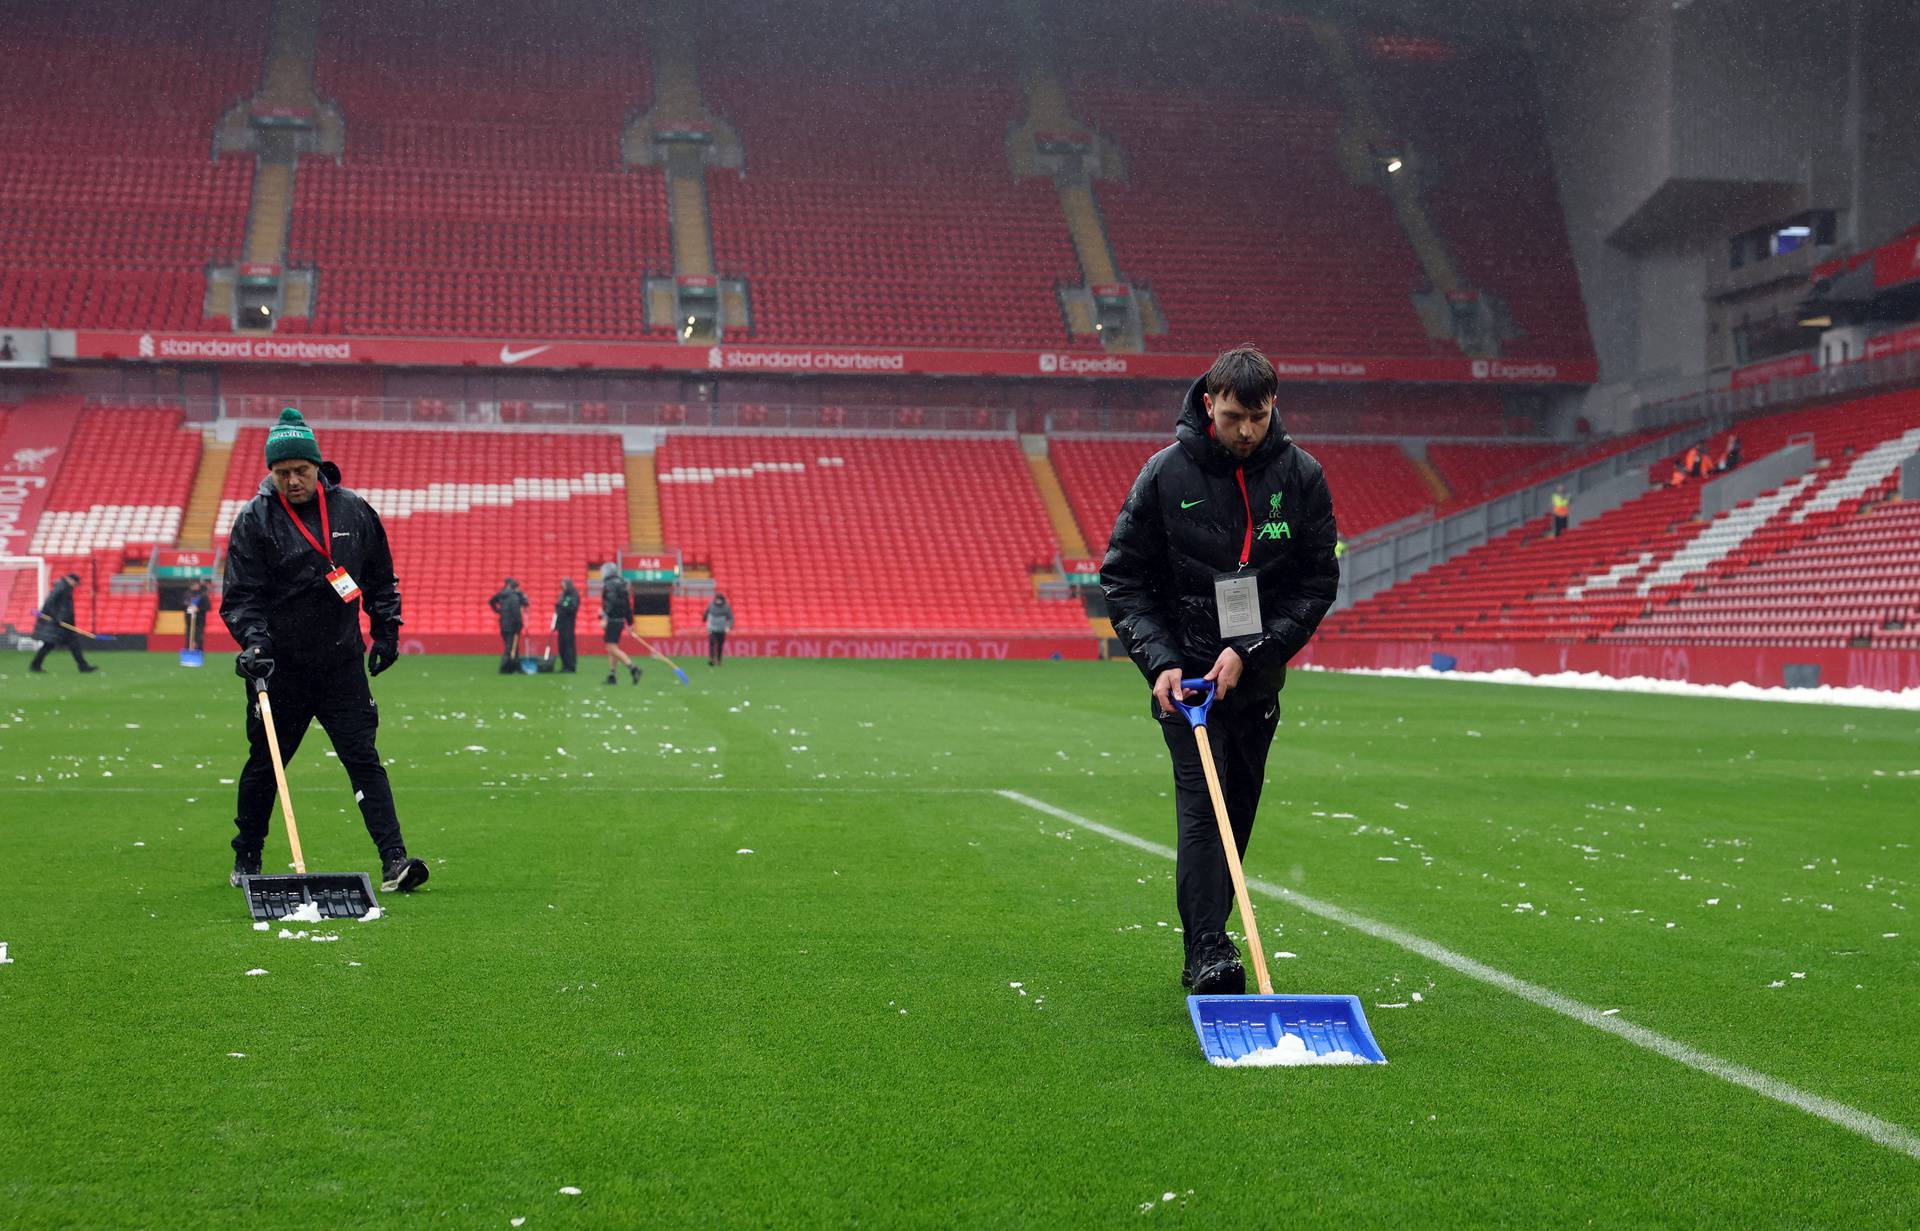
(306, 556)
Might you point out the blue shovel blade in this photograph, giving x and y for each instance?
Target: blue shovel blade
(1283, 1030)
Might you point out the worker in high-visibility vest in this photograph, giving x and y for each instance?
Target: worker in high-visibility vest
(1562, 506)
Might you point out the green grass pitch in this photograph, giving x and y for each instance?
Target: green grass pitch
(917, 1003)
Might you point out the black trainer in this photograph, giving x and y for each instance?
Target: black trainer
(635, 672)
(611, 678)
(403, 874)
(1214, 969)
(88, 668)
(245, 863)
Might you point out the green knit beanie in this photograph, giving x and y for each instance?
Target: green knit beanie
(291, 437)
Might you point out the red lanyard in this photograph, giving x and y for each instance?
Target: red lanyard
(325, 529)
(1246, 544)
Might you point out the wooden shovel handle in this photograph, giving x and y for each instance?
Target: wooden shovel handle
(1233, 863)
(280, 780)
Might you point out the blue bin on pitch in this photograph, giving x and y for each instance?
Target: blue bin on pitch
(1231, 1027)
(193, 658)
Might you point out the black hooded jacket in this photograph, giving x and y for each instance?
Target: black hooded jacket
(276, 592)
(509, 604)
(1185, 522)
(55, 609)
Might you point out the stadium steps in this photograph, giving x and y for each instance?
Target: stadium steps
(1435, 484)
(1089, 234)
(643, 504)
(203, 502)
(692, 240)
(288, 79)
(1059, 512)
(270, 214)
(1368, 129)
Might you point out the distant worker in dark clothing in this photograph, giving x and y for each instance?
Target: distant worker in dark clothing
(1730, 460)
(306, 557)
(510, 604)
(1562, 507)
(616, 613)
(53, 628)
(719, 618)
(1221, 566)
(566, 609)
(195, 607)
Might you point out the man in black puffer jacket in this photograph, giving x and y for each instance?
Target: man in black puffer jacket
(306, 555)
(1232, 510)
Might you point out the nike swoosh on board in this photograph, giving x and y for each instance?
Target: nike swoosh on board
(510, 356)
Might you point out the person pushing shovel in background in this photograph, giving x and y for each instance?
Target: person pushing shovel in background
(1221, 565)
(306, 556)
(53, 627)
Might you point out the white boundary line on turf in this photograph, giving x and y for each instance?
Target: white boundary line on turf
(1886, 1133)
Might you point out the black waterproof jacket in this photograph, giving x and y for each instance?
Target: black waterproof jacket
(55, 609)
(276, 592)
(1186, 521)
(566, 608)
(616, 600)
(509, 605)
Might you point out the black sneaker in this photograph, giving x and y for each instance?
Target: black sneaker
(245, 863)
(612, 679)
(635, 672)
(37, 670)
(1214, 969)
(88, 669)
(403, 874)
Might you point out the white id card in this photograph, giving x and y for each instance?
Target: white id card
(1236, 596)
(343, 585)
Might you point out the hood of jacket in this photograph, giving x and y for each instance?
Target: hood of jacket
(1195, 434)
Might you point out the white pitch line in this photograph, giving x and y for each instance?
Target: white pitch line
(1872, 1127)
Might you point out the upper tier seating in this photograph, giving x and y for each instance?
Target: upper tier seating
(856, 534)
(112, 202)
(466, 206)
(465, 510)
(1493, 195)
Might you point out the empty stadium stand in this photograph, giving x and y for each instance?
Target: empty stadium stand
(1653, 570)
(467, 209)
(828, 534)
(120, 492)
(895, 224)
(113, 209)
(465, 510)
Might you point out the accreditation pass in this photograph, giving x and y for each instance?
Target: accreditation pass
(1236, 596)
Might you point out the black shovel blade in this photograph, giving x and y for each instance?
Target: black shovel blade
(339, 895)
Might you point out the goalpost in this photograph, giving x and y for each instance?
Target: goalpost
(14, 574)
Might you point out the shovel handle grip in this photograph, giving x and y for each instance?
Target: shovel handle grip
(1196, 713)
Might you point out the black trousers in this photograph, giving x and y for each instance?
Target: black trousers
(66, 641)
(1240, 739)
(337, 695)
(564, 647)
(716, 646)
(509, 643)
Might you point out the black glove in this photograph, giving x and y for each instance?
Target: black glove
(381, 655)
(254, 663)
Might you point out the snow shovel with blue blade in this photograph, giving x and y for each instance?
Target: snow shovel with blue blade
(1329, 1029)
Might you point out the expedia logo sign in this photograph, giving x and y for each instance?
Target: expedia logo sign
(1082, 365)
(1494, 369)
